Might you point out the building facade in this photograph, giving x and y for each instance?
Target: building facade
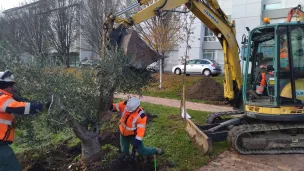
(32, 23)
(204, 44)
(246, 13)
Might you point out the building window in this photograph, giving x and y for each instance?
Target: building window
(209, 35)
(74, 61)
(208, 54)
(272, 6)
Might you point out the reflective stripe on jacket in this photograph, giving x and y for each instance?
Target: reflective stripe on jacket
(131, 123)
(8, 106)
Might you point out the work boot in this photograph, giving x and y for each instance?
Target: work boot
(159, 151)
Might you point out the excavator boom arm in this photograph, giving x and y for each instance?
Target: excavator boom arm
(214, 18)
(294, 11)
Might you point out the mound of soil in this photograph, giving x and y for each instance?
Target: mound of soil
(124, 163)
(56, 158)
(206, 89)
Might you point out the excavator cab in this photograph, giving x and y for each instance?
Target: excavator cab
(275, 66)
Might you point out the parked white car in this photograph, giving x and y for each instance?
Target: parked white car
(199, 66)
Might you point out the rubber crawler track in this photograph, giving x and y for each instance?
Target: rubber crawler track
(237, 131)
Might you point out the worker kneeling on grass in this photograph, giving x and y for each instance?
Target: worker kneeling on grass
(132, 127)
(8, 105)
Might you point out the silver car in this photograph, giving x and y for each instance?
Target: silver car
(199, 66)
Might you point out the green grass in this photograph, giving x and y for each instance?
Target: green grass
(167, 131)
(172, 86)
(54, 139)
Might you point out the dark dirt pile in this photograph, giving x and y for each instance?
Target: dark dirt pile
(61, 158)
(126, 163)
(55, 158)
(206, 89)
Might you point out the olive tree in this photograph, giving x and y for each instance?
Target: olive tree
(79, 99)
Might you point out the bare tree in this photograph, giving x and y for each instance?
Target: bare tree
(65, 27)
(161, 34)
(93, 15)
(187, 38)
(32, 25)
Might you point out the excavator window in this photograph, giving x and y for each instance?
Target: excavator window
(261, 89)
(277, 66)
(291, 86)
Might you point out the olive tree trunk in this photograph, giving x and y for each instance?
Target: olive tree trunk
(90, 145)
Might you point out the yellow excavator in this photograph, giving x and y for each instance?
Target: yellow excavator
(267, 94)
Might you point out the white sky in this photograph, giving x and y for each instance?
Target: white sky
(6, 4)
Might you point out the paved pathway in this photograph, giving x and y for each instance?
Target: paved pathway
(232, 161)
(176, 103)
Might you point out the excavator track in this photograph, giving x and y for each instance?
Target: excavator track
(267, 138)
(217, 117)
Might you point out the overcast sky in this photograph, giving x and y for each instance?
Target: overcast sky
(6, 4)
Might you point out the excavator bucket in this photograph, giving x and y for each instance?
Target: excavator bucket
(203, 137)
(134, 46)
(199, 137)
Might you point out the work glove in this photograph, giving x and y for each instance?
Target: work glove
(36, 108)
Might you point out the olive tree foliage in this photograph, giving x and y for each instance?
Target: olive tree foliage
(79, 98)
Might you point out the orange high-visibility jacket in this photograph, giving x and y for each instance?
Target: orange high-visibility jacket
(284, 55)
(131, 123)
(8, 106)
(262, 82)
(283, 52)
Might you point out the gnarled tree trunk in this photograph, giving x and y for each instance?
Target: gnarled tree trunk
(90, 145)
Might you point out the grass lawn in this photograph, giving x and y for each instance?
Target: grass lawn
(172, 85)
(167, 131)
